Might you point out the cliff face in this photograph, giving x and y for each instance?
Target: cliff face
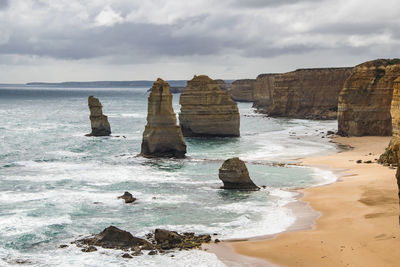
(206, 110)
(364, 102)
(162, 137)
(99, 122)
(263, 87)
(304, 93)
(391, 154)
(222, 84)
(242, 90)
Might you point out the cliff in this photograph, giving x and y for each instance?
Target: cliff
(99, 122)
(162, 137)
(391, 154)
(365, 100)
(206, 110)
(262, 91)
(222, 84)
(304, 93)
(242, 90)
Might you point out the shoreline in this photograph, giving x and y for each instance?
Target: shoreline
(359, 222)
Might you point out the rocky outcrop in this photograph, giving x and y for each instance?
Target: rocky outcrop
(242, 90)
(222, 84)
(127, 197)
(263, 87)
(99, 122)
(391, 154)
(208, 111)
(235, 175)
(161, 241)
(162, 137)
(304, 93)
(364, 102)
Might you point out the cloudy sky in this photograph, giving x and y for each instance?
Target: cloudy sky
(82, 40)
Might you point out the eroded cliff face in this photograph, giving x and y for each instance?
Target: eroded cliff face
(162, 137)
(304, 93)
(206, 110)
(263, 87)
(365, 100)
(98, 121)
(242, 90)
(391, 154)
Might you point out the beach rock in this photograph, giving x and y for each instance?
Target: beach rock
(113, 237)
(127, 256)
(235, 175)
(208, 111)
(163, 236)
(242, 90)
(391, 154)
(365, 101)
(162, 137)
(89, 249)
(99, 122)
(304, 93)
(127, 197)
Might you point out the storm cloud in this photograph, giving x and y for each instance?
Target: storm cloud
(179, 32)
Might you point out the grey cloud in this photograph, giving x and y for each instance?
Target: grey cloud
(3, 4)
(267, 3)
(354, 28)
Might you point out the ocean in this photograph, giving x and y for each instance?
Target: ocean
(57, 185)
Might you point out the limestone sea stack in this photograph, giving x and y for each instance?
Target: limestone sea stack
(208, 111)
(235, 175)
(365, 100)
(162, 137)
(99, 121)
(391, 154)
(303, 94)
(242, 90)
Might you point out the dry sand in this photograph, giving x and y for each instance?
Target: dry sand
(359, 225)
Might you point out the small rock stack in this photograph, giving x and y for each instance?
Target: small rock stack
(99, 122)
(235, 175)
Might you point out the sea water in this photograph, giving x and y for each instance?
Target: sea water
(57, 185)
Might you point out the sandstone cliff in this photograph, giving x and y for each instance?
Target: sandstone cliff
(99, 122)
(263, 87)
(242, 90)
(304, 93)
(162, 137)
(391, 155)
(206, 110)
(222, 84)
(364, 102)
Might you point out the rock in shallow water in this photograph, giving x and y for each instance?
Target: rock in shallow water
(235, 175)
(99, 122)
(127, 197)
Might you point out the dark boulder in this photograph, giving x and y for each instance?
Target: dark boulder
(127, 197)
(235, 175)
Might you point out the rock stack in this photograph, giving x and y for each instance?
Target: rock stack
(162, 137)
(365, 100)
(208, 111)
(99, 122)
(235, 175)
(242, 90)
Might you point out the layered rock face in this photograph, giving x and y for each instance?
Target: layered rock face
(242, 90)
(364, 102)
(263, 87)
(391, 154)
(235, 175)
(222, 84)
(99, 122)
(162, 137)
(208, 111)
(304, 93)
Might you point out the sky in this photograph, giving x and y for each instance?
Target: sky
(89, 40)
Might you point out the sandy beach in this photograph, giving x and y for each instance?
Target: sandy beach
(359, 222)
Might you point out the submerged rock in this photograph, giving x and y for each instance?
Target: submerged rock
(99, 122)
(127, 197)
(208, 111)
(235, 175)
(162, 137)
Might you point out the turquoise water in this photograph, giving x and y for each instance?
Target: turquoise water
(56, 184)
